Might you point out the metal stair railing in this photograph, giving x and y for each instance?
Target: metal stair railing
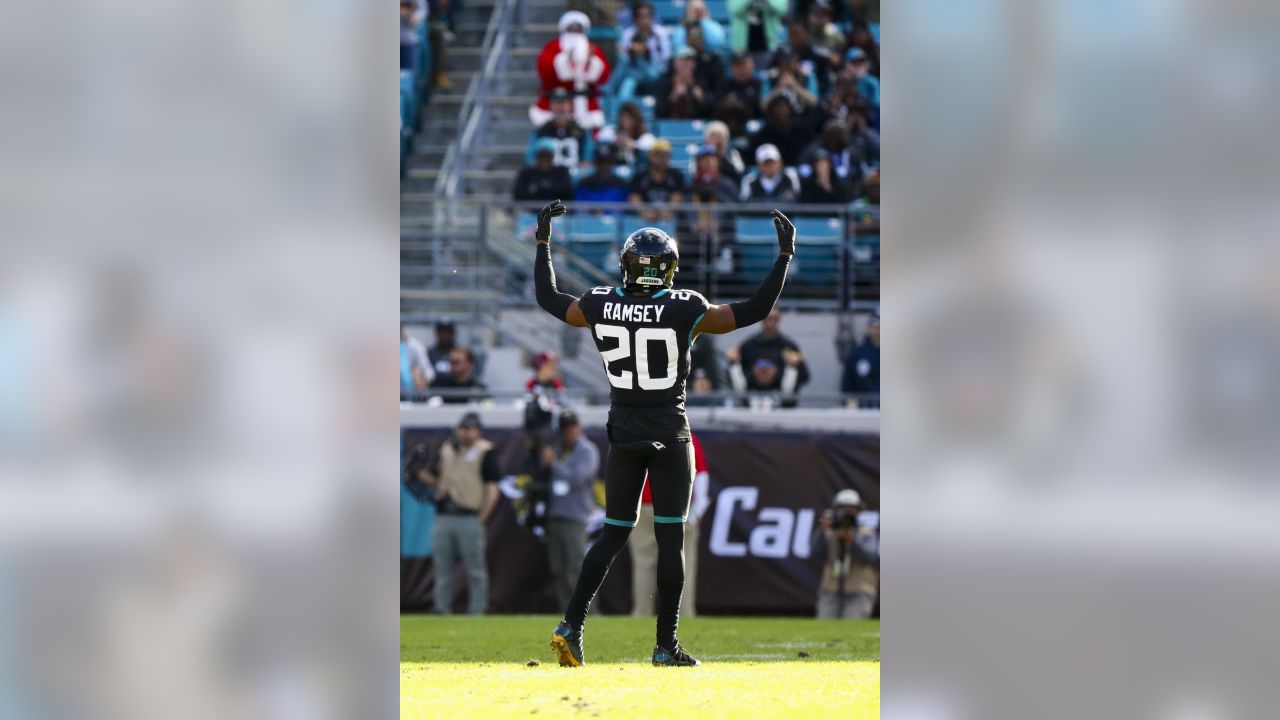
(474, 109)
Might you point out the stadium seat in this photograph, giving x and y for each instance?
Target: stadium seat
(669, 12)
(817, 229)
(718, 10)
(682, 157)
(610, 104)
(756, 229)
(587, 228)
(526, 224)
(681, 131)
(634, 222)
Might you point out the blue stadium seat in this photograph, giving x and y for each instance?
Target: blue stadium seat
(718, 10)
(681, 131)
(408, 100)
(587, 228)
(669, 12)
(610, 104)
(526, 224)
(757, 245)
(634, 222)
(682, 155)
(755, 230)
(816, 229)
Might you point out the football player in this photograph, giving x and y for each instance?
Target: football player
(643, 330)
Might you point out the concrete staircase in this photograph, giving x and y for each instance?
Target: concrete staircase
(459, 256)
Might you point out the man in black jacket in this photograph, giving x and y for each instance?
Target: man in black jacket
(544, 180)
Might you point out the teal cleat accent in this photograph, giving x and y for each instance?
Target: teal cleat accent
(675, 657)
(567, 645)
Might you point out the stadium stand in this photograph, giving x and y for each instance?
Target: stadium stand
(466, 246)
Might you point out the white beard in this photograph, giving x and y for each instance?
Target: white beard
(575, 45)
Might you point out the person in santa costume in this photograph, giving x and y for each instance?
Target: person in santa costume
(572, 62)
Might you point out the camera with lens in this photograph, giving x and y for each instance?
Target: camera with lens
(416, 460)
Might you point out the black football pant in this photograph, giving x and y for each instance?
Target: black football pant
(670, 469)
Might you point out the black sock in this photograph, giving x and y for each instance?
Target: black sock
(670, 537)
(594, 568)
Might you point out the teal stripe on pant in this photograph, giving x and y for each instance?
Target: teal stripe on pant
(620, 523)
(667, 519)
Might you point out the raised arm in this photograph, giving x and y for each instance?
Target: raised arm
(721, 319)
(562, 305)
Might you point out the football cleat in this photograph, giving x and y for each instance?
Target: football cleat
(675, 657)
(567, 645)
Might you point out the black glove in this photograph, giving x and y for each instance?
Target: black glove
(786, 233)
(555, 209)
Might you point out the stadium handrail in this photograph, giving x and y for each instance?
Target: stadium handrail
(454, 162)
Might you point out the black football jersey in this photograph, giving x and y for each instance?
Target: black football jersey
(644, 342)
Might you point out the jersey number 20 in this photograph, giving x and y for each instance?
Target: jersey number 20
(643, 337)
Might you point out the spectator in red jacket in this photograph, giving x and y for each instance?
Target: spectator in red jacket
(577, 65)
(644, 546)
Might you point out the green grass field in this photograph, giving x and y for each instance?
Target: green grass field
(479, 667)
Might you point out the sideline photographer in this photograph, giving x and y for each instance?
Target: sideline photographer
(849, 542)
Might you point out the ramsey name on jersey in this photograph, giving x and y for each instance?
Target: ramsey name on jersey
(620, 312)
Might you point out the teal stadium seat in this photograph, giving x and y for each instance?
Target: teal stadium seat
(610, 104)
(591, 236)
(681, 131)
(757, 245)
(682, 156)
(630, 223)
(669, 11)
(718, 10)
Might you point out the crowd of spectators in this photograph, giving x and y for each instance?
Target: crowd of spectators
(788, 95)
(768, 369)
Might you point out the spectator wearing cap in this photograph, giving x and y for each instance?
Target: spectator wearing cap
(822, 185)
(604, 185)
(695, 11)
(630, 135)
(573, 144)
(637, 71)
(768, 362)
(729, 159)
(415, 370)
(848, 540)
(742, 88)
(771, 181)
(822, 30)
(862, 366)
(573, 464)
(461, 376)
(575, 64)
(543, 180)
(756, 25)
(867, 85)
(680, 95)
(650, 31)
(544, 392)
(790, 81)
(782, 131)
(657, 184)
(464, 476)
